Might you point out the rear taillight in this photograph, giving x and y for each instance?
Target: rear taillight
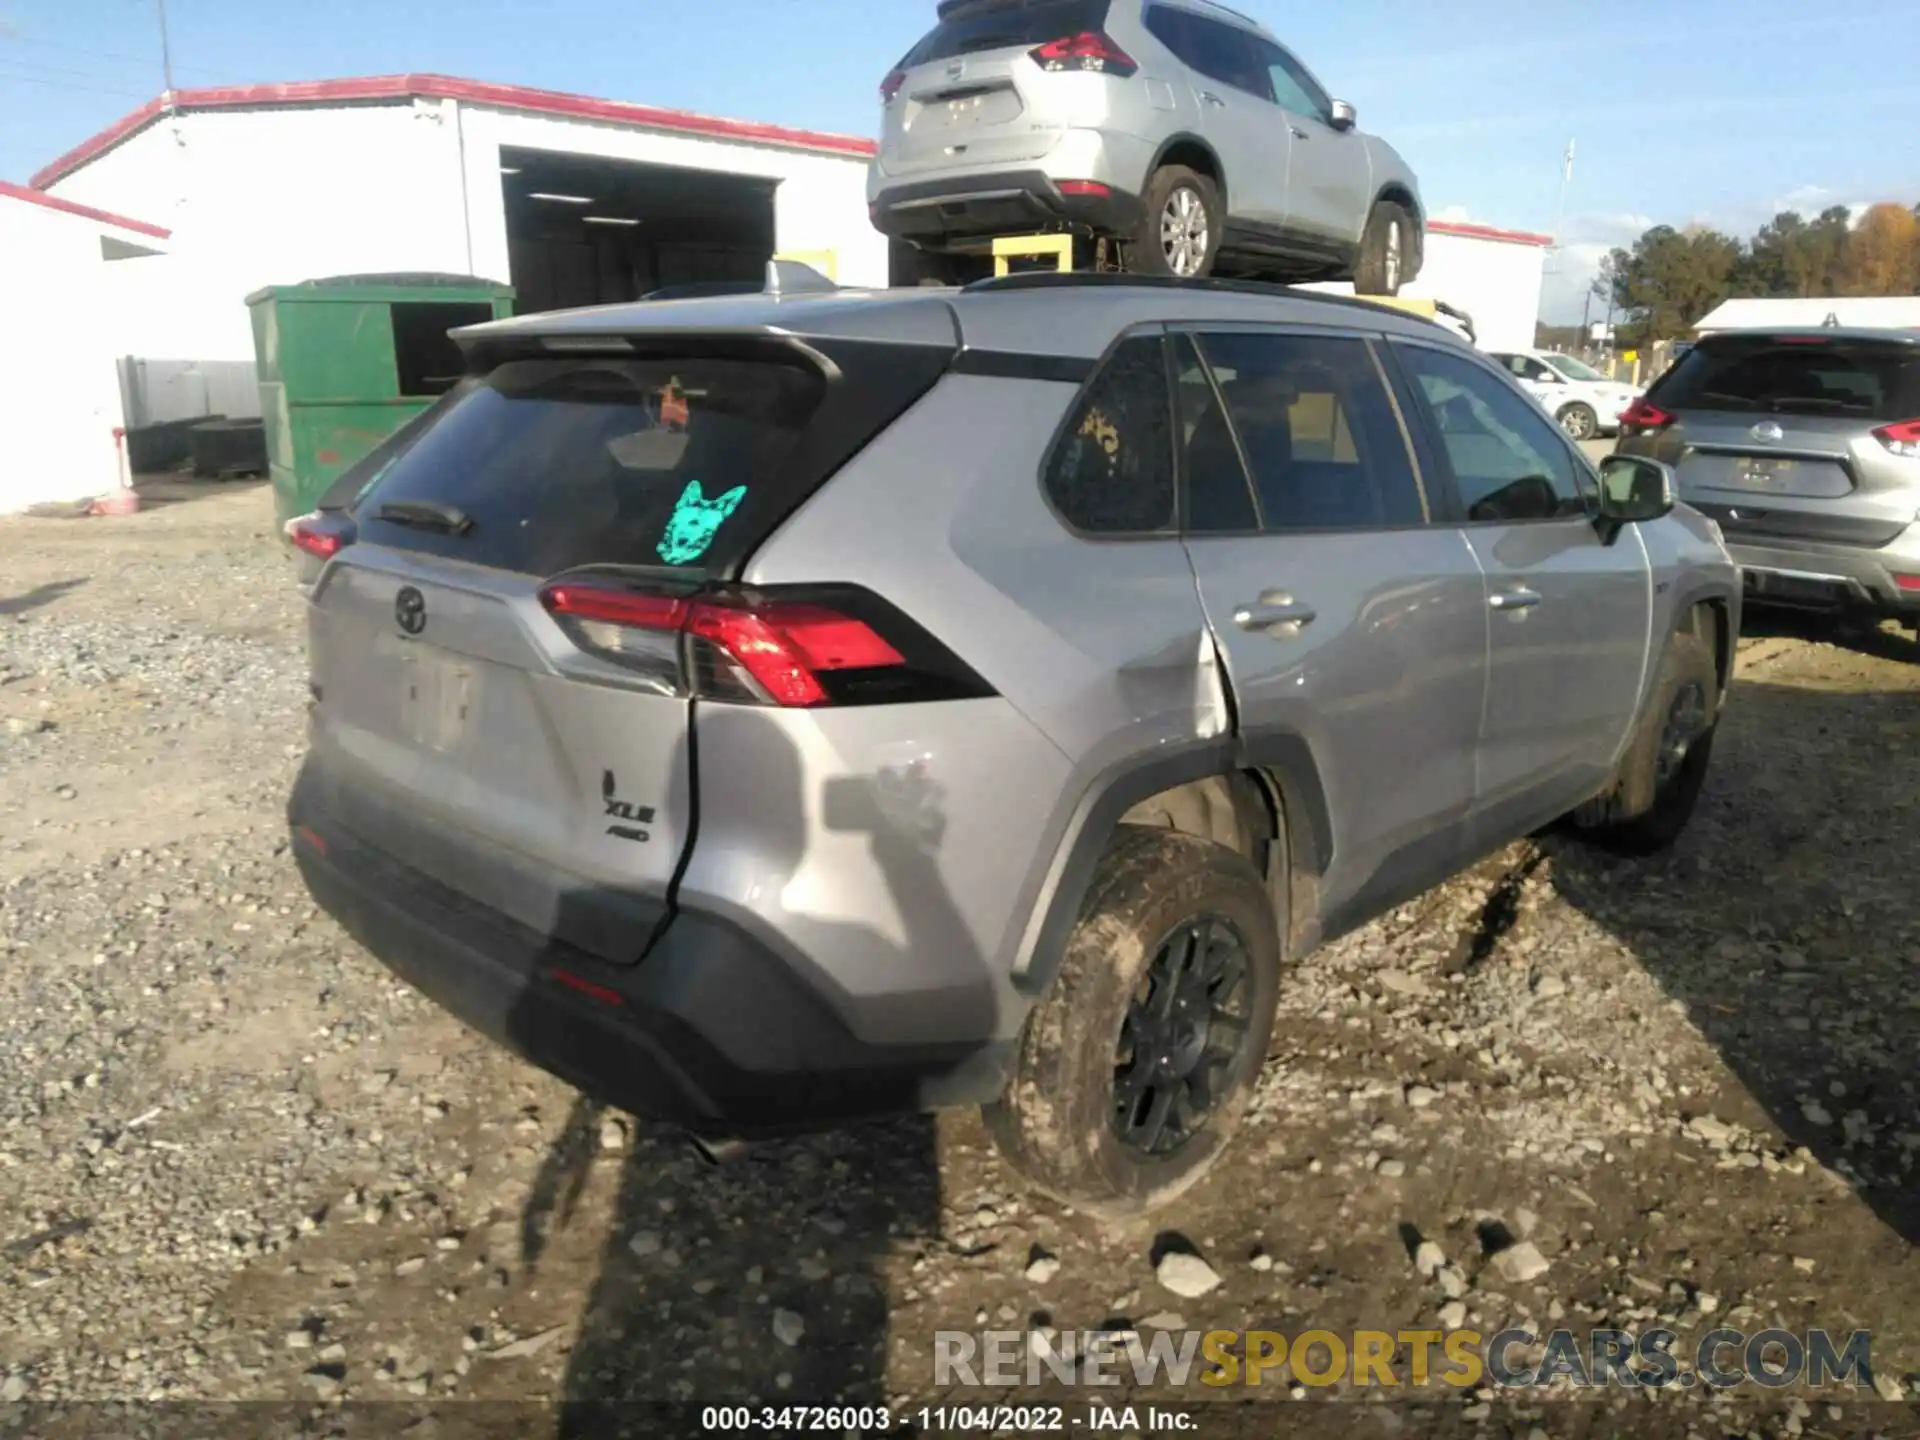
(320, 534)
(890, 87)
(1902, 439)
(1090, 50)
(1640, 417)
(793, 648)
(1909, 583)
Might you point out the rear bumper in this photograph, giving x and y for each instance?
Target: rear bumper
(962, 212)
(1822, 575)
(711, 1030)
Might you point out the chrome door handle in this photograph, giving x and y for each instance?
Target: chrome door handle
(1299, 134)
(1519, 598)
(1274, 610)
(1211, 98)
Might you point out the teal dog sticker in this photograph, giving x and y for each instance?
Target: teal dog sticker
(695, 521)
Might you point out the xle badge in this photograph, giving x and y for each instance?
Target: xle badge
(634, 815)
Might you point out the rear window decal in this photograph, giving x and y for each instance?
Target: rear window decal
(695, 521)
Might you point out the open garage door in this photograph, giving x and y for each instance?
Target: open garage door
(583, 230)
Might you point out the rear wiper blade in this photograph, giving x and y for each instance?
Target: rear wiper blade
(426, 515)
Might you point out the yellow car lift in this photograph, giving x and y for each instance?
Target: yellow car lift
(1059, 249)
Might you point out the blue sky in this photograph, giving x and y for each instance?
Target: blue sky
(1715, 110)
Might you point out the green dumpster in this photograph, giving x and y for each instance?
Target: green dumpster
(344, 362)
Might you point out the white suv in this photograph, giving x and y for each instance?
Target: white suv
(1585, 402)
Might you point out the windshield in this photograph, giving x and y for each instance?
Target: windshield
(1573, 369)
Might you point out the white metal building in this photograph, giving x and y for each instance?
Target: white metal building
(1874, 312)
(1494, 275)
(67, 270)
(574, 201)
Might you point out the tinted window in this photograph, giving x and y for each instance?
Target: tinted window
(1170, 28)
(1219, 495)
(1112, 472)
(1802, 377)
(971, 29)
(1509, 461)
(1293, 88)
(1315, 427)
(1226, 53)
(560, 463)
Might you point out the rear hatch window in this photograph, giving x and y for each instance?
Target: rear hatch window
(1809, 376)
(548, 464)
(973, 29)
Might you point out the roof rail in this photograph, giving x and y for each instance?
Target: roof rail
(1229, 10)
(1092, 279)
(948, 7)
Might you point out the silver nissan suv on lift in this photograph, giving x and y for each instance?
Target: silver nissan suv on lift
(778, 709)
(1179, 129)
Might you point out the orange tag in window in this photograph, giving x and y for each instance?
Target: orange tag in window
(673, 405)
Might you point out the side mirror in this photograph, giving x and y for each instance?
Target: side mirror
(1345, 117)
(1633, 490)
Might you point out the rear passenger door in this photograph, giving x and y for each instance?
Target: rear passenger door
(1569, 611)
(1352, 626)
(1237, 116)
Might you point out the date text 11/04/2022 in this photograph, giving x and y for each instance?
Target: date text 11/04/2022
(948, 1419)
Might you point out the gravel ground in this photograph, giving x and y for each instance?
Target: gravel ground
(237, 1162)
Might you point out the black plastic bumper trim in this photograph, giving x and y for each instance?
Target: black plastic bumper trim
(664, 1039)
(939, 211)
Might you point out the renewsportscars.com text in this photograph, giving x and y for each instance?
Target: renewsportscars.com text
(1463, 1359)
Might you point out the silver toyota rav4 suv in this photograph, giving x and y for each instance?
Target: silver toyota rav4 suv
(1804, 445)
(1178, 128)
(774, 710)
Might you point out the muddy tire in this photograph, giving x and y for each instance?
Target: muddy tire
(1665, 767)
(1134, 1070)
(1181, 226)
(1579, 421)
(1385, 248)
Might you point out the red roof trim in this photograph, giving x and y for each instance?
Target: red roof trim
(1487, 232)
(444, 87)
(85, 212)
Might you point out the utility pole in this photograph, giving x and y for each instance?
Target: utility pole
(166, 52)
(1560, 207)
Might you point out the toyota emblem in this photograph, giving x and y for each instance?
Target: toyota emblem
(410, 610)
(1767, 430)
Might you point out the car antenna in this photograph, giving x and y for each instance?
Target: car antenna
(790, 277)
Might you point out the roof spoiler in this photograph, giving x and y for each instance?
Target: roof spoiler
(790, 277)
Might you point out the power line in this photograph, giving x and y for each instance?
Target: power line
(88, 50)
(69, 85)
(36, 68)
